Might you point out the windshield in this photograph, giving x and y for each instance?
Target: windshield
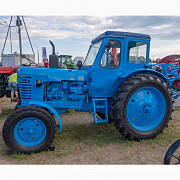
(92, 53)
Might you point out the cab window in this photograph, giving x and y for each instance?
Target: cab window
(111, 55)
(137, 52)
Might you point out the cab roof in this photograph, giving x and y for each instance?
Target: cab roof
(122, 35)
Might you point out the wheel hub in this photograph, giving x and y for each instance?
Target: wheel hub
(144, 109)
(30, 130)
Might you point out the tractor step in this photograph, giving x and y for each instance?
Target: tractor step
(100, 107)
(100, 103)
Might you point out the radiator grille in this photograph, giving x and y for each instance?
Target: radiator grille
(24, 84)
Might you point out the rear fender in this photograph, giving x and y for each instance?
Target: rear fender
(148, 71)
(51, 110)
(121, 79)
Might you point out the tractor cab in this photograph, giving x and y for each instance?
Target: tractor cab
(113, 55)
(110, 47)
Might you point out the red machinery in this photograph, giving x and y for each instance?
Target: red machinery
(174, 59)
(5, 72)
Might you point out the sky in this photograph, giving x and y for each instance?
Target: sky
(73, 34)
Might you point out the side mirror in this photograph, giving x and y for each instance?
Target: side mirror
(79, 64)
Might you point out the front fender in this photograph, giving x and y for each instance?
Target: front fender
(51, 109)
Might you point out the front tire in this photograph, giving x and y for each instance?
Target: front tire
(29, 129)
(142, 107)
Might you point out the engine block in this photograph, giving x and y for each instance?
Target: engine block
(66, 94)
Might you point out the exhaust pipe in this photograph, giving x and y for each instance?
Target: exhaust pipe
(53, 47)
(53, 58)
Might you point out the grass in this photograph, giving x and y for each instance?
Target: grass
(20, 157)
(90, 135)
(177, 108)
(77, 138)
(6, 113)
(3, 100)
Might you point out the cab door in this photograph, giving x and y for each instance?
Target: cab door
(108, 67)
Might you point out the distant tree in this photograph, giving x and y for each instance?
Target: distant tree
(158, 59)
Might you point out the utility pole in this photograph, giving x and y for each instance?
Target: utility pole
(19, 24)
(37, 53)
(10, 40)
(9, 33)
(38, 57)
(9, 27)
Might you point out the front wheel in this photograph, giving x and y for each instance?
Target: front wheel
(142, 107)
(29, 129)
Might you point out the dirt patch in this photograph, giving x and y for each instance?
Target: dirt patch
(6, 103)
(83, 142)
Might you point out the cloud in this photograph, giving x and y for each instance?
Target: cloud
(85, 28)
(60, 27)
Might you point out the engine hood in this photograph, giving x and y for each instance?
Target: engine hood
(53, 74)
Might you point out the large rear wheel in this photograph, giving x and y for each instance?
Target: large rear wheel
(29, 129)
(142, 107)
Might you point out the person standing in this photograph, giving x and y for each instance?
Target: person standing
(46, 63)
(12, 84)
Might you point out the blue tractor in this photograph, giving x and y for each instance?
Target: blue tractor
(115, 83)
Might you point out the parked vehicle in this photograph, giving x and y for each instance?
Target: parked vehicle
(115, 83)
(66, 62)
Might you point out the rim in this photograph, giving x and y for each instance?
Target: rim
(30, 132)
(177, 84)
(146, 109)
